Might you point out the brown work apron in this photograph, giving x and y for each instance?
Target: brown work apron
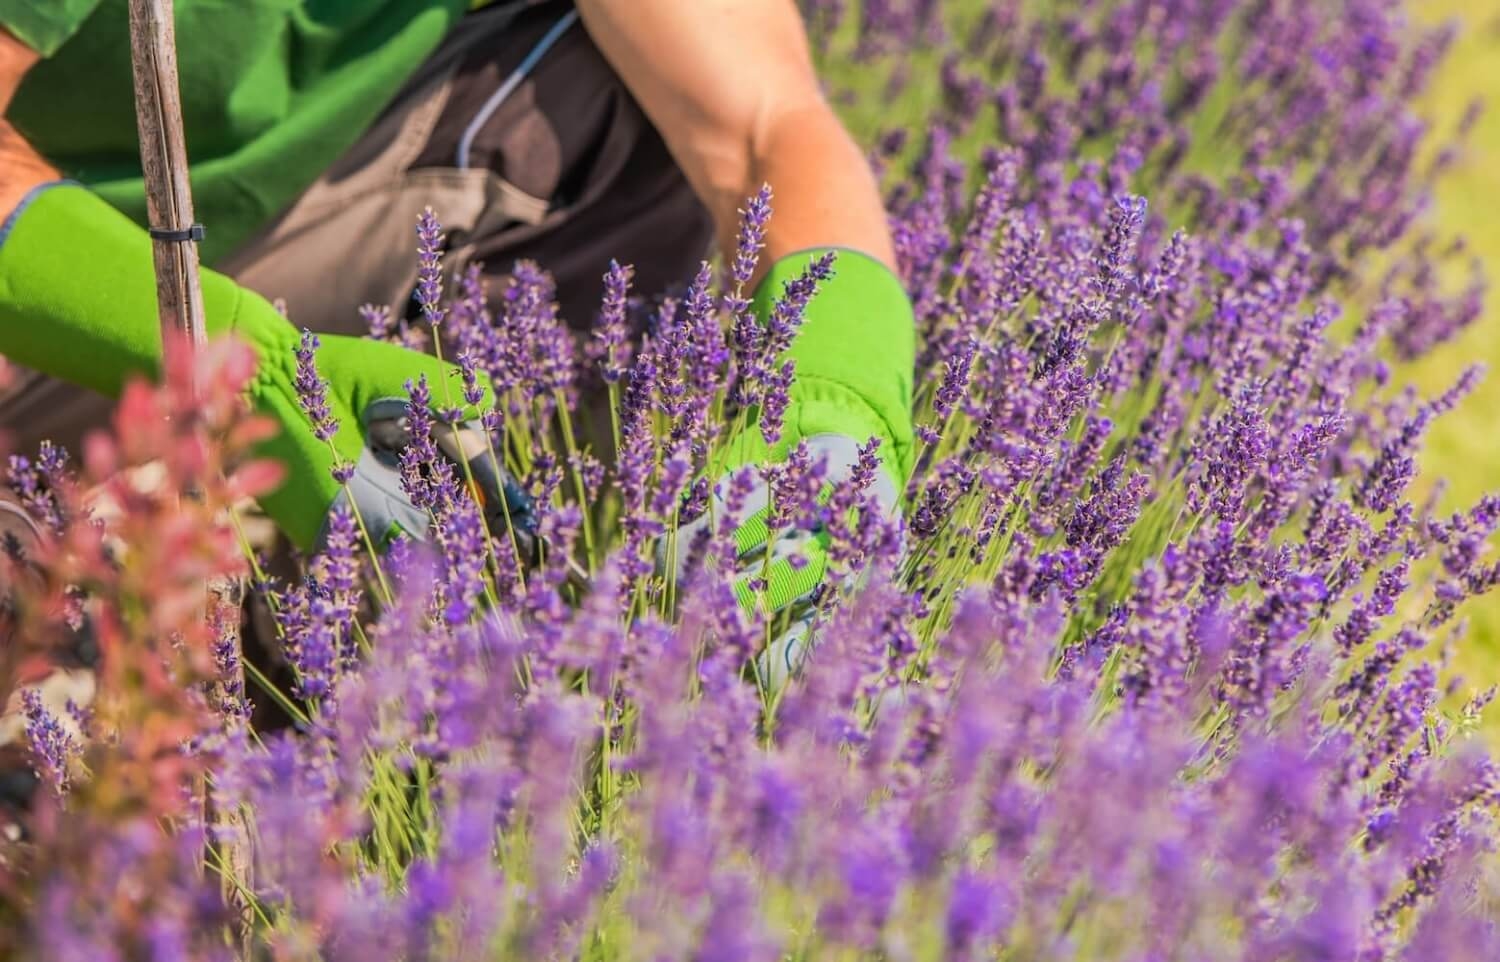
(566, 171)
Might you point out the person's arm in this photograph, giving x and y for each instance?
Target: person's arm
(731, 87)
(21, 167)
(78, 301)
(15, 59)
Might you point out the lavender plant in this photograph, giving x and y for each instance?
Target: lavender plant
(1152, 669)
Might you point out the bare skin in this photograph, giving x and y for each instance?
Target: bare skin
(21, 167)
(731, 87)
(728, 83)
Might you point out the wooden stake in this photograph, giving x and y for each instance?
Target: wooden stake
(169, 196)
(169, 208)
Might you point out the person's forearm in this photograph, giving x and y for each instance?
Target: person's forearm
(731, 87)
(15, 59)
(21, 167)
(825, 194)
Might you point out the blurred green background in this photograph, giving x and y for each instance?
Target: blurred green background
(1463, 448)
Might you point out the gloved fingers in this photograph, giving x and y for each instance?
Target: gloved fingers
(387, 429)
(674, 550)
(383, 507)
(751, 532)
(789, 573)
(839, 453)
(782, 658)
(839, 456)
(505, 506)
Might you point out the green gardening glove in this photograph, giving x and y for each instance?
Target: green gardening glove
(854, 355)
(78, 302)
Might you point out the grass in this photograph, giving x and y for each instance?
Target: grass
(1462, 454)
(1463, 449)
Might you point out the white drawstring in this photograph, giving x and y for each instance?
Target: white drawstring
(466, 142)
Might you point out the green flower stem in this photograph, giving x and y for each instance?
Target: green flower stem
(572, 447)
(489, 546)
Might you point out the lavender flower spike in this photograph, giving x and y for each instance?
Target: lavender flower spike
(429, 290)
(312, 389)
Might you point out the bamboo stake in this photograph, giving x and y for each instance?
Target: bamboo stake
(169, 207)
(169, 197)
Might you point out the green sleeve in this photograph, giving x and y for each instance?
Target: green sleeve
(45, 25)
(78, 302)
(855, 354)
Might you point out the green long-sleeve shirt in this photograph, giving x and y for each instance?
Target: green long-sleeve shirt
(272, 92)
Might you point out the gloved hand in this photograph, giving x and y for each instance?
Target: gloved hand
(78, 302)
(854, 355)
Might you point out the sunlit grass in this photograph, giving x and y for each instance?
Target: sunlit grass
(1463, 450)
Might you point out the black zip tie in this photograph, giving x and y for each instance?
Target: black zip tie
(193, 233)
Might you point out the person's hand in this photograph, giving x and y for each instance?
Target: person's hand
(781, 571)
(78, 301)
(375, 484)
(363, 392)
(853, 361)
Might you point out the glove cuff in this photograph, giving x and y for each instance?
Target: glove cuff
(78, 301)
(78, 293)
(855, 353)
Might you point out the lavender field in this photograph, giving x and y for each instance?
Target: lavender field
(1450, 456)
(1162, 658)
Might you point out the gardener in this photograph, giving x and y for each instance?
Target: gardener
(564, 133)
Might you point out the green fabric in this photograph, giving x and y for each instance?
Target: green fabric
(785, 583)
(855, 355)
(78, 302)
(273, 91)
(43, 25)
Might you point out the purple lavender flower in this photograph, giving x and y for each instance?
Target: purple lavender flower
(381, 323)
(427, 477)
(429, 291)
(39, 486)
(229, 693)
(785, 320)
(338, 571)
(777, 398)
(463, 538)
(1115, 260)
(468, 371)
(752, 234)
(611, 333)
(312, 390)
(54, 748)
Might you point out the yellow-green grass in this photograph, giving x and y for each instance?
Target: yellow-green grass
(1463, 448)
